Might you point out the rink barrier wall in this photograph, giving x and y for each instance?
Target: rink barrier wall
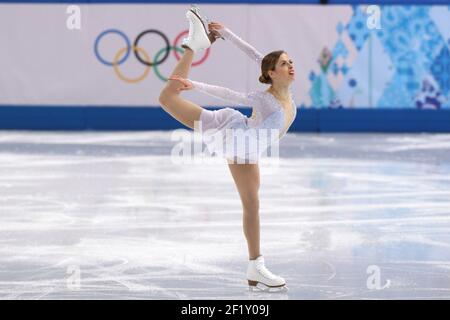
(115, 118)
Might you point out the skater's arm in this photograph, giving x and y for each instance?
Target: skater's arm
(223, 93)
(254, 54)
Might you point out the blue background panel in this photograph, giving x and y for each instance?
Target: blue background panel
(145, 118)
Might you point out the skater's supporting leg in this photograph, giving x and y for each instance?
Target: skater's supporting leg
(183, 110)
(246, 177)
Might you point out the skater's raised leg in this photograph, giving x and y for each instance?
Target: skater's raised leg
(183, 110)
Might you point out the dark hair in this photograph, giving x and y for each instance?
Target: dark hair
(268, 63)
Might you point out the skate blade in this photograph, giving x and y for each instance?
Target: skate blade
(263, 288)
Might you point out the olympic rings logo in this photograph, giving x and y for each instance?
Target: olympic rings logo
(141, 55)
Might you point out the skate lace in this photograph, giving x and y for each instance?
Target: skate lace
(265, 272)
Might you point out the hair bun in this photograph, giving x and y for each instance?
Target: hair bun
(263, 79)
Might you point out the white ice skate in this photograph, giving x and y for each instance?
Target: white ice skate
(198, 37)
(213, 35)
(258, 273)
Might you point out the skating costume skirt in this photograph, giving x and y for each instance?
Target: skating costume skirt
(226, 133)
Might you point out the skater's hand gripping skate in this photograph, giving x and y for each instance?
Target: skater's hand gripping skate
(187, 85)
(214, 28)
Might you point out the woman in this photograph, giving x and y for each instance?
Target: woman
(272, 109)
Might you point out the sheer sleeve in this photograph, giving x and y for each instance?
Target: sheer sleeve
(224, 93)
(254, 54)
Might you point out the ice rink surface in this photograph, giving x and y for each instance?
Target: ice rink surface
(108, 215)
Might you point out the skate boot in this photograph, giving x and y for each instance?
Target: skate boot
(198, 37)
(258, 273)
(213, 35)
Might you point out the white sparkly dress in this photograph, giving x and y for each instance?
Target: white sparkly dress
(244, 140)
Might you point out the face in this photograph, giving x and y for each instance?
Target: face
(284, 70)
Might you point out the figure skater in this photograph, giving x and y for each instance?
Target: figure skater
(273, 108)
